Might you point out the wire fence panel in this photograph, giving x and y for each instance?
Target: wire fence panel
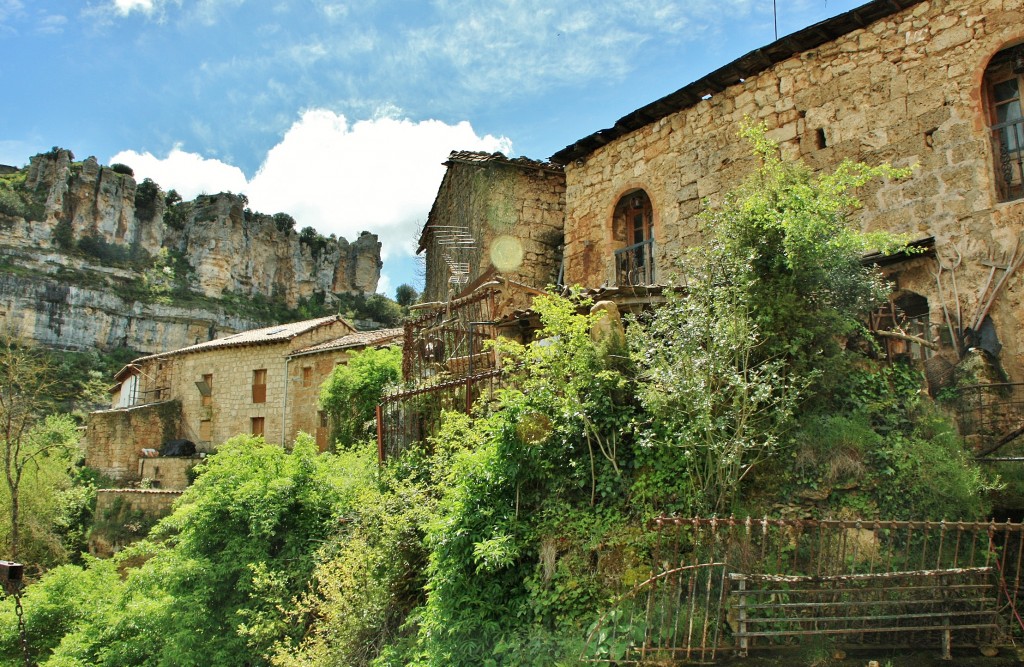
(730, 586)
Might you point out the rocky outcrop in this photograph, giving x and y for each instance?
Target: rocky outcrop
(229, 248)
(55, 313)
(90, 258)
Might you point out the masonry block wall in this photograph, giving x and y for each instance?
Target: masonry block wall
(168, 472)
(304, 393)
(514, 210)
(236, 404)
(114, 438)
(908, 89)
(114, 507)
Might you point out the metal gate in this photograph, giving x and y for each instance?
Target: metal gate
(730, 586)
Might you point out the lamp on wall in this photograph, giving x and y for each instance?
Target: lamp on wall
(636, 201)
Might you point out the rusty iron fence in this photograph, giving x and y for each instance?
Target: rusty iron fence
(412, 415)
(727, 587)
(994, 413)
(447, 364)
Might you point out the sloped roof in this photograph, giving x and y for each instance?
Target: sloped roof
(267, 335)
(357, 339)
(476, 157)
(742, 68)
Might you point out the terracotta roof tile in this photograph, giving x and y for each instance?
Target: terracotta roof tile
(357, 339)
(272, 334)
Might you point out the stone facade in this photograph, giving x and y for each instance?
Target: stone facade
(115, 438)
(124, 516)
(309, 368)
(234, 374)
(909, 88)
(265, 381)
(494, 212)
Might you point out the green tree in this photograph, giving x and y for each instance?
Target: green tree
(28, 439)
(351, 394)
(406, 295)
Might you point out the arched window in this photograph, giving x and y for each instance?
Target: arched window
(633, 232)
(1004, 81)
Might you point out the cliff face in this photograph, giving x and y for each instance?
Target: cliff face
(90, 257)
(229, 249)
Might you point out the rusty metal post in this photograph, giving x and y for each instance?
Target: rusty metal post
(380, 433)
(742, 613)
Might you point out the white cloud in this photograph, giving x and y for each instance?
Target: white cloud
(52, 24)
(378, 175)
(384, 285)
(125, 7)
(188, 173)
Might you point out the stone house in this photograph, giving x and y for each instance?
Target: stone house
(493, 213)
(934, 85)
(264, 381)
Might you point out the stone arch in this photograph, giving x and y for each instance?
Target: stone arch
(631, 229)
(1001, 88)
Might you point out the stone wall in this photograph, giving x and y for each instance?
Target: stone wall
(514, 211)
(304, 393)
(168, 472)
(124, 516)
(906, 89)
(114, 438)
(231, 409)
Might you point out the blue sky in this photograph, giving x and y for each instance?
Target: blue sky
(341, 113)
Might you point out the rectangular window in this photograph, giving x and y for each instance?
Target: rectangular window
(205, 430)
(307, 376)
(257, 425)
(259, 386)
(207, 398)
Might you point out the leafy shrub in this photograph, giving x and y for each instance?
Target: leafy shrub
(146, 195)
(284, 222)
(351, 394)
(120, 168)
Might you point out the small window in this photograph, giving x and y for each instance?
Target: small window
(257, 425)
(322, 417)
(307, 376)
(259, 386)
(205, 430)
(207, 395)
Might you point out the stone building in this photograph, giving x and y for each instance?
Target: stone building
(933, 85)
(493, 212)
(264, 381)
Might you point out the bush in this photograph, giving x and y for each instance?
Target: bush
(120, 168)
(146, 195)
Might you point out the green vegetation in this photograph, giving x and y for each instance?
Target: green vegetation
(147, 193)
(501, 539)
(40, 504)
(351, 393)
(16, 200)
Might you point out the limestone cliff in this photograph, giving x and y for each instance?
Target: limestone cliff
(127, 259)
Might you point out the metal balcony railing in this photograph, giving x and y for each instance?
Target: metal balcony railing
(634, 265)
(1009, 138)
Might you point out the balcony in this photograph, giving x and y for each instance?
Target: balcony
(634, 265)
(1009, 139)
